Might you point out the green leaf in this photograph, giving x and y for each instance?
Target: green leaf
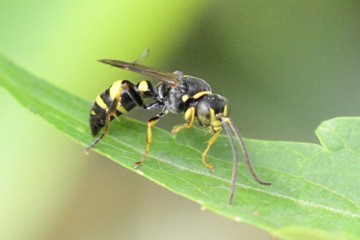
(315, 191)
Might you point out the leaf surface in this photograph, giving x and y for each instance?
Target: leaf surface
(315, 191)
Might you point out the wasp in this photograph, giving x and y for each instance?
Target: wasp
(176, 93)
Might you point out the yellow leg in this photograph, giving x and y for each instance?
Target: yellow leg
(150, 124)
(203, 156)
(110, 114)
(148, 142)
(190, 116)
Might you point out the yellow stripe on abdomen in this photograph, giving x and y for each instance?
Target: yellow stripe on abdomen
(99, 101)
(121, 109)
(115, 89)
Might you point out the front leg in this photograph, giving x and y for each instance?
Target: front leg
(190, 117)
(203, 155)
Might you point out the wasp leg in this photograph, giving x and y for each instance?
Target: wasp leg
(155, 106)
(118, 90)
(189, 116)
(203, 156)
(144, 87)
(130, 90)
(152, 121)
(111, 113)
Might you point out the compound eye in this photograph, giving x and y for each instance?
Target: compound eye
(204, 113)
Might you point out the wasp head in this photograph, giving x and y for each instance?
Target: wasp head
(210, 109)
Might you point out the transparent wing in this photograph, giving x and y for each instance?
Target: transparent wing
(171, 79)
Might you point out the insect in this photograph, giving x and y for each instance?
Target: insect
(176, 93)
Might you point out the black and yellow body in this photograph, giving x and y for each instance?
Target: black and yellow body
(120, 98)
(176, 93)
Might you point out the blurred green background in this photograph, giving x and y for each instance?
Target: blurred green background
(285, 66)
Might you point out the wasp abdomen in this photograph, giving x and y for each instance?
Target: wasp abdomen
(105, 102)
